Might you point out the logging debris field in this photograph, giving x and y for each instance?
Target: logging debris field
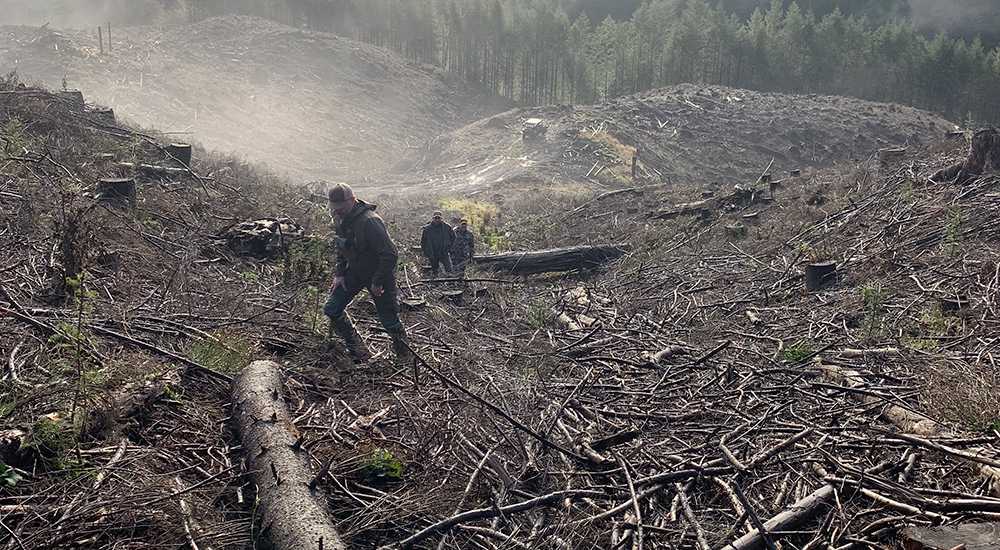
(687, 391)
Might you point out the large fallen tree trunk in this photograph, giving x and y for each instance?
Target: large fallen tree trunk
(292, 516)
(559, 259)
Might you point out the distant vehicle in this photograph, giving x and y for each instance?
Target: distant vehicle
(533, 128)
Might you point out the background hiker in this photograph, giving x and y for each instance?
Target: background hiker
(464, 247)
(436, 243)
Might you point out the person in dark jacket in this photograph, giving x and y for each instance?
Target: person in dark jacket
(366, 258)
(436, 243)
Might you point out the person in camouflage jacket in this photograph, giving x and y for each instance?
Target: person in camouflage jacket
(464, 247)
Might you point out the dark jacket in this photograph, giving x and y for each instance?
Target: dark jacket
(366, 251)
(436, 241)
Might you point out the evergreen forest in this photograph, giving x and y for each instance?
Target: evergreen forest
(534, 52)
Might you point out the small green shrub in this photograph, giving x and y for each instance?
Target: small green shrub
(873, 298)
(794, 353)
(380, 466)
(540, 315)
(951, 236)
(308, 260)
(8, 477)
(55, 436)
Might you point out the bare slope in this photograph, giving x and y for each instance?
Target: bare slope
(312, 105)
(687, 134)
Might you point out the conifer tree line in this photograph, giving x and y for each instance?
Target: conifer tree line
(534, 54)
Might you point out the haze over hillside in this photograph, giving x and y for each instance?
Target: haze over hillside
(311, 105)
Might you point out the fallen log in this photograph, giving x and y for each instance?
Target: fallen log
(559, 259)
(292, 515)
(153, 170)
(913, 422)
(793, 515)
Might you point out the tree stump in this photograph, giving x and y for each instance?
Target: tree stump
(180, 153)
(952, 304)
(819, 274)
(263, 238)
(12, 443)
(116, 190)
(412, 304)
(886, 156)
(293, 516)
(765, 177)
(105, 116)
(795, 173)
(984, 156)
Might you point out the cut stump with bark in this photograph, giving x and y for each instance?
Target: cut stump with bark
(179, 153)
(984, 157)
(293, 515)
(819, 274)
(116, 190)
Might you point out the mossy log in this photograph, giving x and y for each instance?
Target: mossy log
(559, 259)
(293, 516)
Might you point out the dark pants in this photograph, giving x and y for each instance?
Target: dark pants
(386, 304)
(443, 259)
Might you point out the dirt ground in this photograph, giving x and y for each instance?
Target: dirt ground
(672, 398)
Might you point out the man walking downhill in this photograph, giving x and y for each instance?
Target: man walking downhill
(436, 243)
(464, 248)
(366, 258)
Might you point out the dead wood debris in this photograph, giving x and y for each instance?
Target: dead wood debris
(682, 384)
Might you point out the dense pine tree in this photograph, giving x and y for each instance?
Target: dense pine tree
(534, 52)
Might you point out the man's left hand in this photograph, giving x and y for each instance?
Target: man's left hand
(376, 290)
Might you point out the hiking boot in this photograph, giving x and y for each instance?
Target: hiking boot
(401, 346)
(356, 348)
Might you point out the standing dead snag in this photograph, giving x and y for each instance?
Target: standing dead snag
(292, 517)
